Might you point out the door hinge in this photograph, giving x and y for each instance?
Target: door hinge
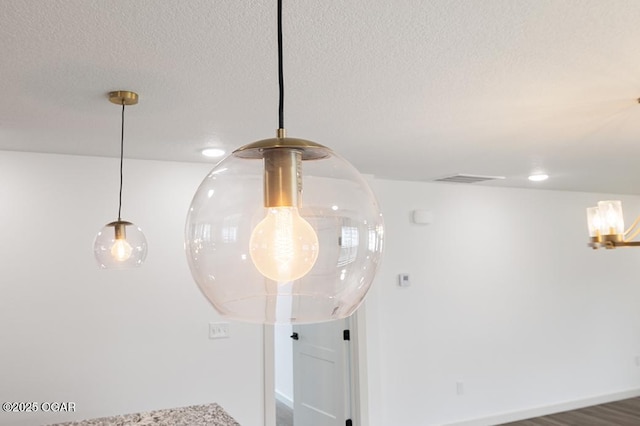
(346, 335)
(348, 422)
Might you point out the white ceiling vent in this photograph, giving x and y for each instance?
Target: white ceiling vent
(461, 178)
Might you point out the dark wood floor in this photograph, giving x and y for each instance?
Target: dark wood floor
(621, 413)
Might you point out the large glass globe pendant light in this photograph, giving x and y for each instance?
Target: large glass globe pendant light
(120, 244)
(284, 230)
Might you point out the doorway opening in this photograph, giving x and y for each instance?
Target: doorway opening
(313, 374)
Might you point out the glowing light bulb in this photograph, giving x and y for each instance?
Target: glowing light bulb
(611, 218)
(594, 222)
(283, 246)
(121, 250)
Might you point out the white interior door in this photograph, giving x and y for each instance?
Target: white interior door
(321, 374)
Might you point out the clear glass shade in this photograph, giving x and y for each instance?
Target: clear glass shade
(606, 220)
(594, 222)
(310, 262)
(120, 245)
(611, 219)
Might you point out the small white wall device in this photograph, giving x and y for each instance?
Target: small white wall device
(422, 217)
(403, 280)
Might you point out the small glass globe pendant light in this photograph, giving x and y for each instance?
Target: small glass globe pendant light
(284, 230)
(120, 244)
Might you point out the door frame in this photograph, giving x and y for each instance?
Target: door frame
(357, 359)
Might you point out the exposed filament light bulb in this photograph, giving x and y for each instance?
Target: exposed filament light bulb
(117, 247)
(121, 250)
(283, 246)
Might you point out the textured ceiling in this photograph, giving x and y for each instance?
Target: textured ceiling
(407, 89)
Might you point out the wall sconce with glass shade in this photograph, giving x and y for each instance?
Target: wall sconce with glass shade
(120, 244)
(284, 230)
(606, 226)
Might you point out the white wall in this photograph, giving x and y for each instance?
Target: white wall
(505, 297)
(113, 342)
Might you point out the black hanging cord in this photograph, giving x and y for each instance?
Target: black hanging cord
(280, 68)
(121, 160)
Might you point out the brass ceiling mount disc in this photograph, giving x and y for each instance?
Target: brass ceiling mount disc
(310, 150)
(123, 97)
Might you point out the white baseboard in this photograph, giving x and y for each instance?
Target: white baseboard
(546, 410)
(284, 399)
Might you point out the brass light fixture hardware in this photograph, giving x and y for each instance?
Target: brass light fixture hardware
(123, 97)
(114, 247)
(606, 227)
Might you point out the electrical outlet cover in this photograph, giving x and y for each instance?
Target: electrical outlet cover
(218, 330)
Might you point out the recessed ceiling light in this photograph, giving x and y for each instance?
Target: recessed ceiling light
(213, 152)
(538, 177)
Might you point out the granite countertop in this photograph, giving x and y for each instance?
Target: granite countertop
(194, 415)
